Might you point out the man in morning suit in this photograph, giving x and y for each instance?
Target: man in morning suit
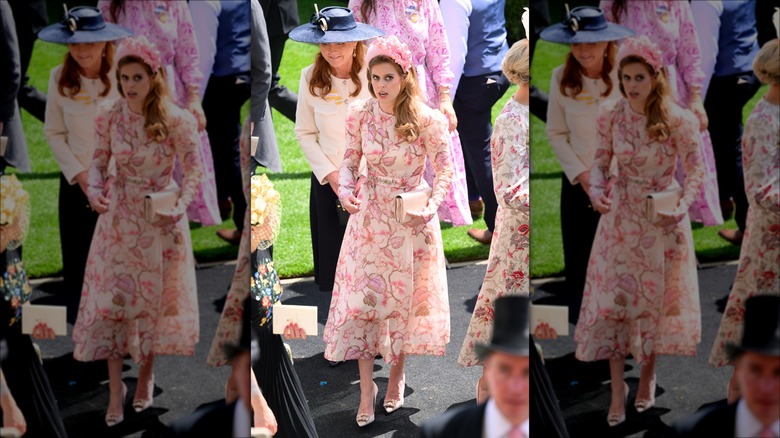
(507, 370)
(757, 368)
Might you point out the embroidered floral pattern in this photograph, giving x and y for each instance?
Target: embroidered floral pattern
(390, 293)
(642, 292)
(265, 287)
(14, 285)
(507, 269)
(759, 258)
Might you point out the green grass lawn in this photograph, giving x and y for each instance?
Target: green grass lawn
(546, 244)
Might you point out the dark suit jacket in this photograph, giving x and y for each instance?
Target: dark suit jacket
(281, 16)
(462, 422)
(10, 81)
(267, 154)
(717, 420)
(213, 420)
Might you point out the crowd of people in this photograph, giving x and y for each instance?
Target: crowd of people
(394, 119)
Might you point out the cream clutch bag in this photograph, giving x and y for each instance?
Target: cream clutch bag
(253, 146)
(661, 202)
(415, 200)
(3, 145)
(160, 202)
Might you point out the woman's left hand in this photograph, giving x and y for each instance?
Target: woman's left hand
(292, 331)
(416, 222)
(167, 220)
(698, 109)
(197, 110)
(449, 112)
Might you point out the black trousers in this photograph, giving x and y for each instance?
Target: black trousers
(77, 225)
(578, 228)
(326, 233)
(279, 97)
(473, 104)
(225, 95)
(726, 97)
(30, 18)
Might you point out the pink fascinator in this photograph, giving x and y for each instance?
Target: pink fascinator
(643, 48)
(141, 47)
(393, 48)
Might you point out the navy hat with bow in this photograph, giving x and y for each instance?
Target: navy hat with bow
(585, 24)
(83, 24)
(334, 24)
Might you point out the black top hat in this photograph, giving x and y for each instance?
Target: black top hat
(585, 24)
(83, 24)
(762, 327)
(510, 327)
(334, 24)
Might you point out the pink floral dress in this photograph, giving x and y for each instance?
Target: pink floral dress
(641, 292)
(390, 293)
(418, 24)
(670, 25)
(232, 318)
(168, 25)
(507, 269)
(139, 294)
(759, 259)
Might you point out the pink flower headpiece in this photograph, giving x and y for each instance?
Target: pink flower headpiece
(141, 47)
(391, 47)
(643, 48)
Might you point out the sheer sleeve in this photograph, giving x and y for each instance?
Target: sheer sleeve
(187, 57)
(434, 134)
(98, 168)
(686, 138)
(761, 163)
(509, 146)
(184, 135)
(350, 165)
(600, 169)
(437, 51)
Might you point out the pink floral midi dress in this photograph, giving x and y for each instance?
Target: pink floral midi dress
(642, 292)
(139, 295)
(390, 293)
(507, 269)
(419, 25)
(168, 25)
(759, 259)
(670, 25)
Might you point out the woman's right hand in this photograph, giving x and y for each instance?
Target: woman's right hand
(351, 204)
(333, 179)
(292, 331)
(601, 203)
(99, 203)
(43, 331)
(81, 179)
(544, 331)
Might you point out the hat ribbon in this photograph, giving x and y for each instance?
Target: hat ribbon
(319, 20)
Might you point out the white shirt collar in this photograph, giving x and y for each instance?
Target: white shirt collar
(747, 425)
(495, 425)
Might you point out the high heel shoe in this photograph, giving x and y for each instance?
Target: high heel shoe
(614, 419)
(643, 404)
(142, 405)
(114, 419)
(364, 419)
(392, 405)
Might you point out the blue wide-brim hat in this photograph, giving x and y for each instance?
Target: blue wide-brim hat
(334, 24)
(83, 24)
(585, 24)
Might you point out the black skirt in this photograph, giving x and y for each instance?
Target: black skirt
(545, 416)
(275, 373)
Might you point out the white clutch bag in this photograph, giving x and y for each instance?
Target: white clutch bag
(661, 202)
(415, 200)
(161, 202)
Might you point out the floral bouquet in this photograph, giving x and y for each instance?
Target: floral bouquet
(14, 224)
(265, 212)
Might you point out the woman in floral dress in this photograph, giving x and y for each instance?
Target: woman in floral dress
(168, 25)
(759, 259)
(670, 25)
(419, 25)
(390, 296)
(642, 293)
(139, 295)
(507, 269)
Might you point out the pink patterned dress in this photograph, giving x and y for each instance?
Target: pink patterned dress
(507, 269)
(232, 318)
(168, 25)
(759, 258)
(139, 294)
(641, 293)
(670, 25)
(419, 25)
(390, 294)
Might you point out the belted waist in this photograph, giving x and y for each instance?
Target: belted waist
(143, 181)
(388, 181)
